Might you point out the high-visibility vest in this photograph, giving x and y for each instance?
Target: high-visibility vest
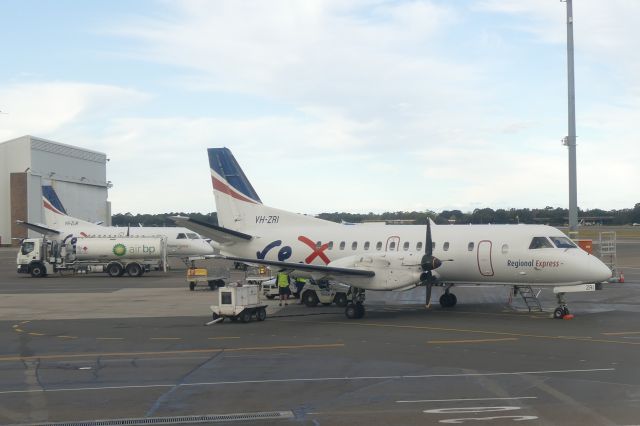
(301, 280)
(283, 280)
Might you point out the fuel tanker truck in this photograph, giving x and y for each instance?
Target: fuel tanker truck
(115, 256)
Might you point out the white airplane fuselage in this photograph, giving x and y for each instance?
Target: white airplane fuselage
(486, 254)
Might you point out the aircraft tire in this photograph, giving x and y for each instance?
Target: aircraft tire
(351, 312)
(359, 310)
(448, 300)
(559, 313)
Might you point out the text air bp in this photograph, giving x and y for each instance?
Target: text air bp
(122, 250)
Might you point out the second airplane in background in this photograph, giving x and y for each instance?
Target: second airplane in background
(181, 242)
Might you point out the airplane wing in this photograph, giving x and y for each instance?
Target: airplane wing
(39, 228)
(216, 233)
(332, 271)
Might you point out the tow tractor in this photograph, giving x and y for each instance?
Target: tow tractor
(239, 302)
(325, 292)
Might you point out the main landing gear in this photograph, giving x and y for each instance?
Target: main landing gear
(355, 308)
(448, 299)
(562, 310)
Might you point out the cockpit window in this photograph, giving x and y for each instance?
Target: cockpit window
(540, 242)
(192, 236)
(563, 242)
(181, 236)
(27, 247)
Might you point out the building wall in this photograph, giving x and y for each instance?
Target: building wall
(77, 175)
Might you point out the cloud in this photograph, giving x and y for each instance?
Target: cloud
(43, 108)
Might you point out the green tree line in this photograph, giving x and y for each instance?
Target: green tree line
(554, 216)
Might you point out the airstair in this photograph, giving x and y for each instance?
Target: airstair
(529, 297)
(607, 250)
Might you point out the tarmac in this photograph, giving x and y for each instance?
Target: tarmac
(84, 348)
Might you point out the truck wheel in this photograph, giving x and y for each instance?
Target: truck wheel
(340, 300)
(134, 270)
(261, 314)
(212, 285)
(192, 286)
(37, 270)
(310, 299)
(245, 316)
(114, 269)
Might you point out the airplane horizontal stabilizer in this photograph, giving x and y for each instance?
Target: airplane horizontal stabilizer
(328, 270)
(42, 229)
(216, 233)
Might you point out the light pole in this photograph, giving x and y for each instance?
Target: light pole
(570, 139)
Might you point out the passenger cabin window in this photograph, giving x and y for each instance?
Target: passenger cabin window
(563, 242)
(540, 242)
(342, 244)
(330, 245)
(318, 244)
(419, 246)
(181, 236)
(366, 245)
(405, 246)
(392, 246)
(379, 245)
(354, 245)
(470, 247)
(445, 246)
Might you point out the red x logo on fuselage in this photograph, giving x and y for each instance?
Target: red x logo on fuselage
(317, 251)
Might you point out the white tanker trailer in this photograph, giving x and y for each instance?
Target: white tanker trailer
(115, 256)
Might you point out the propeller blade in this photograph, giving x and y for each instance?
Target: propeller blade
(427, 302)
(429, 242)
(128, 229)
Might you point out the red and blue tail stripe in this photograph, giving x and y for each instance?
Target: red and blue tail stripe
(228, 177)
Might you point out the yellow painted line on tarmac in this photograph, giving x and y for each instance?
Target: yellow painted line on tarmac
(16, 326)
(36, 334)
(496, 333)
(109, 338)
(160, 353)
(439, 342)
(67, 337)
(25, 322)
(221, 338)
(165, 338)
(621, 333)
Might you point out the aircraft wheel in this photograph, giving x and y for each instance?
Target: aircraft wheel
(310, 299)
(359, 310)
(448, 300)
(261, 314)
(560, 312)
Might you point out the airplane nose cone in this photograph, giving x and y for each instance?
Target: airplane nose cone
(599, 271)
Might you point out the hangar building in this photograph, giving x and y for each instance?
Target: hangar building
(77, 175)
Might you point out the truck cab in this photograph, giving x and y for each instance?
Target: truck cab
(32, 257)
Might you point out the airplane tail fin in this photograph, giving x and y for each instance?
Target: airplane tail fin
(55, 215)
(237, 203)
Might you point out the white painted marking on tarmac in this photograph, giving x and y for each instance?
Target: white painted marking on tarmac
(313, 379)
(465, 410)
(468, 399)
(464, 420)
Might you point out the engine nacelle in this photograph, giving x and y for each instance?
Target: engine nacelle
(393, 270)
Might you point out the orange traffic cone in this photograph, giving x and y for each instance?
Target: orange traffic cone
(621, 277)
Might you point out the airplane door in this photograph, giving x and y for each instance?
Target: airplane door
(484, 258)
(393, 243)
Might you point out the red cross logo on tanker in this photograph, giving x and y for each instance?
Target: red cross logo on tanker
(317, 251)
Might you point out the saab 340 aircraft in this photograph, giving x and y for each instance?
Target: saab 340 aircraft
(181, 242)
(391, 257)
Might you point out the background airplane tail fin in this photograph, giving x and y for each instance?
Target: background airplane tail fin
(237, 203)
(55, 215)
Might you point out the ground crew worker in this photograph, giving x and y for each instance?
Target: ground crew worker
(283, 287)
(300, 282)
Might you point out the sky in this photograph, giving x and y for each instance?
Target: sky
(353, 106)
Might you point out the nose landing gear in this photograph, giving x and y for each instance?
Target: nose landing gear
(562, 310)
(355, 308)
